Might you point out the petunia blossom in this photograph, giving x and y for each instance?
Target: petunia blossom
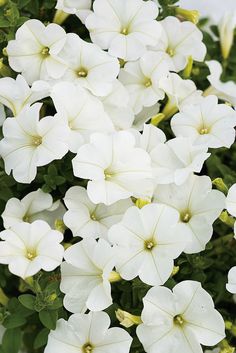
(27, 248)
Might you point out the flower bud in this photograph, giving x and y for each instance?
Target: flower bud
(126, 319)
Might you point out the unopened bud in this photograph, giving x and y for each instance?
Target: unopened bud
(189, 15)
(126, 319)
(188, 69)
(156, 119)
(220, 185)
(140, 203)
(60, 16)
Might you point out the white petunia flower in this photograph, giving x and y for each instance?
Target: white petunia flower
(83, 116)
(142, 78)
(148, 240)
(85, 219)
(145, 115)
(79, 8)
(207, 123)
(198, 205)
(116, 169)
(175, 160)
(28, 248)
(35, 205)
(231, 285)
(124, 27)
(16, 94)
(179, 321)
(29, 142)
(88, 65)
(179, 92)
(2, 114)
(223, 90)
(117, 106)
(180, 40)
(88, 333)
(34, 51)
(85, 276)
(231, 203)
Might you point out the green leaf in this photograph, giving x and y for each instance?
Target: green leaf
(41, 338)
(13, 321)
(48, 318)
(28, 300)
(11, 341)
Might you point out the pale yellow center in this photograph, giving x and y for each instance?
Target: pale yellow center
(203, 131)
(124, 31)
(45, 51)
(148, 83)
(36, 140)
(31, 254)
(82, 73)
(178, 320)
(87, 348)
(149, 244)
(185, 217)
(170, 51)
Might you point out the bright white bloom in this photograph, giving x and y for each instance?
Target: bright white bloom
(117, 106)
(215, 350)
(116, 169)
(88, 65)
(145, 115)
(142, 78)
(85, 275)
(179, 92)
(16, 94)
(86, 219)
(231, 285)
(151, 137)
(87, 333)
(181, 40)
(175, 160)
(224, 90)
(79, 8)
(148, 240)
(231, 203)
(29, 142)
(226, 27)
(34, 51)
(124, 27)
(28, 248)
(179, 321)
(83, 116)
(207, 123)
(2, 114)
(198, 205)
(35, 205)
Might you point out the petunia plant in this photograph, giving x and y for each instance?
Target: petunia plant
(117, 176)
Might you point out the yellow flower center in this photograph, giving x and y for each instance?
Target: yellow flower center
(36, 140)
(203, 131)
(87, 348)
(31, 254)
(82, 73)
(178, 320)
(148, 83)
(93, 217)
(170, 51)
(124, 31)
(149, 244)
(185, 216)
(45, 51)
